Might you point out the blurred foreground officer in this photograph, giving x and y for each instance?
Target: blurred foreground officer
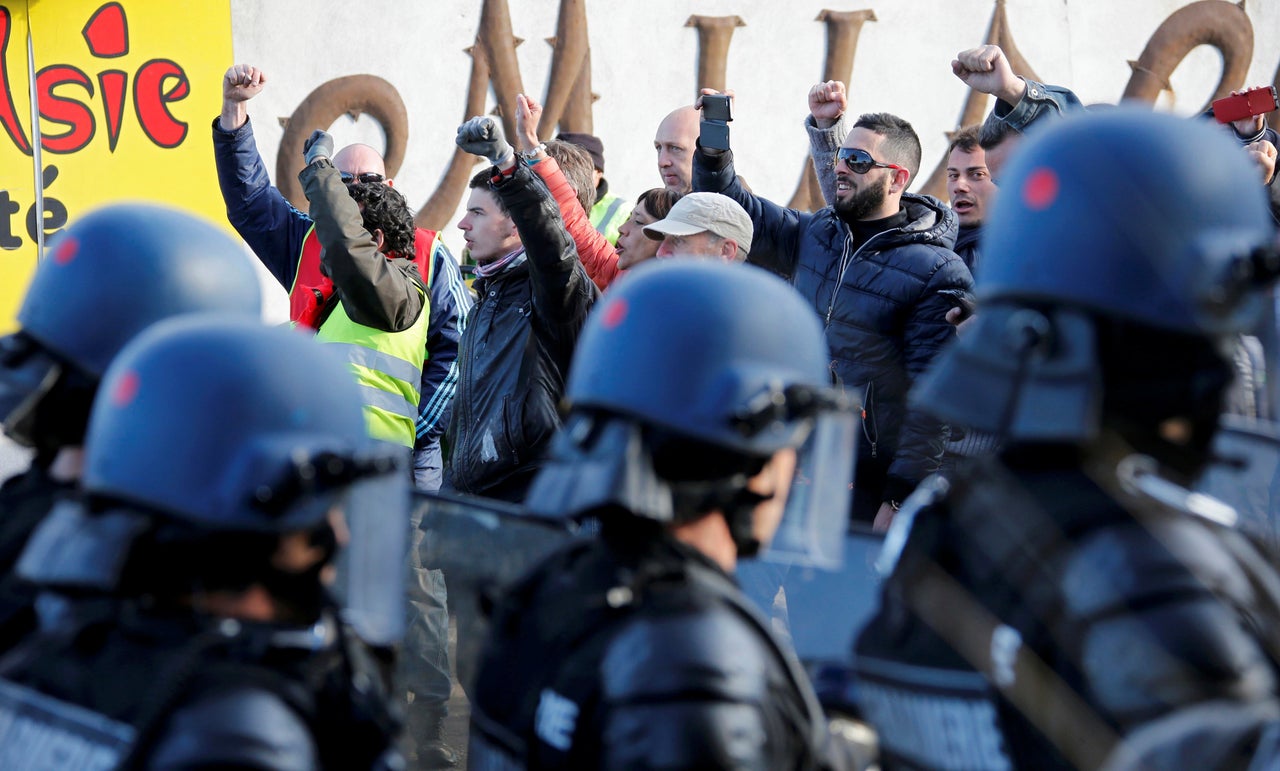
(636, 649)
(109, 276)
(226, 468)
(1045, 603)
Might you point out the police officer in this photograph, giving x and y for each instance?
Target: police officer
(636, 649)
(186, 621)
(1045, 603)
(111, 274)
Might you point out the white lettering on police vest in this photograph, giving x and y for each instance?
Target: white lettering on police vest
(555, 720)
(935, 730)
(1005, 644)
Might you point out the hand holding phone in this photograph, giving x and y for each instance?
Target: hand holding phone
(716, 115)
(1247, 104)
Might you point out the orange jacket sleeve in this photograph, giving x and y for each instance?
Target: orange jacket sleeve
(594, 250)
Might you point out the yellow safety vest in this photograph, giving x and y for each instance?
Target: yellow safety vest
(388, 367)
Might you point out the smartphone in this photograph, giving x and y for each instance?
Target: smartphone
(716, 107)
(716, 114)
(960, 299)
(1256, 101)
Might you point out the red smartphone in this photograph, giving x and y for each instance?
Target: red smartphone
(1257, 101)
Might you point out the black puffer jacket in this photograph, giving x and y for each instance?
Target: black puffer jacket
(884, 317)
(514, 354)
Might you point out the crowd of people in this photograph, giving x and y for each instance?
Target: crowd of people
(212, 560)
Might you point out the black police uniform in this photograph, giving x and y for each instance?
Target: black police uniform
(1037, 613)
(115, 685)
(25, 499)
(635, 651)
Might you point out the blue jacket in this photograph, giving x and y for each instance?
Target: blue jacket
(275, 231)
(880, 305)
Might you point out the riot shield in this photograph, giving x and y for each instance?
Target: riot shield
(819, 612)
(482, 546)
(1244, 470)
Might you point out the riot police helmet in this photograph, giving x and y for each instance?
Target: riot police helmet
(1126, 249)
(687, 378)
(108, 276)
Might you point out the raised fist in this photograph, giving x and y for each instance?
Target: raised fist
(483, 136)
(318, 145)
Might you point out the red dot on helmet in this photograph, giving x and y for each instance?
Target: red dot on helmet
(126, 389)
(615, 313)
(1041, 189)
(66, 250)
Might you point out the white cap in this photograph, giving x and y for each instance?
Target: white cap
(712, 213)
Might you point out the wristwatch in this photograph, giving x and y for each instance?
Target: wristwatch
(532, 155)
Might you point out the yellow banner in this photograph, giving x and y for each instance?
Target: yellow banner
(126, 92)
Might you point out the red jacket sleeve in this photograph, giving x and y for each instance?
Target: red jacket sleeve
(594, 250)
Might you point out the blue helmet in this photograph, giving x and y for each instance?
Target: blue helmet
(1118, 221)
(725, 358)
(228, 424)
(107, 277)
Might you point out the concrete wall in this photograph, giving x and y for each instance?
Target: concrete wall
(644, 63)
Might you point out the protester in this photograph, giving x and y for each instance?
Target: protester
(534, 296)
(703, 225)
(675, 142)
(283, 239)
(634, 247)
(607, 211)
(567, 170)
(875, 266)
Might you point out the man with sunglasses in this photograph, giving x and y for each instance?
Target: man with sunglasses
(289, 243)
(875, 266)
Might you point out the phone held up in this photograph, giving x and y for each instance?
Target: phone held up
(1255, 101)
(716, 115)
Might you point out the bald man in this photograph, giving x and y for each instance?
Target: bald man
(675, 142)
(284, 239)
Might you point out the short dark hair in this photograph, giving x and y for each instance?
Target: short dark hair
(481, 181)
(578, 168)
(994, 132)
(384, 208)
(901, 145)
(658, 201)
(966, 139)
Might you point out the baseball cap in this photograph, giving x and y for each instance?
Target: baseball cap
(712, 213)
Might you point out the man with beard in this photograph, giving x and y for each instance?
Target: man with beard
(873, 266)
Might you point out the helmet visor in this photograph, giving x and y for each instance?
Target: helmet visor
(817, 511)
(371, 574)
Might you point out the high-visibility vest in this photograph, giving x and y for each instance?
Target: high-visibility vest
(388, 368)
(608, 215)
(311, 289)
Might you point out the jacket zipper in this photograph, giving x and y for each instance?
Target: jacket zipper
(845, 263)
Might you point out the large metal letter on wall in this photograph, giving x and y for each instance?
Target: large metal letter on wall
(125, 93)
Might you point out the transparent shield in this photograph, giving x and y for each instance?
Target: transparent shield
(820, 612)
(481, 547)
(817, 512)
(370, 585)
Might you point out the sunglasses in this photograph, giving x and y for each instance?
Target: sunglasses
(368, 177)
(861, 161)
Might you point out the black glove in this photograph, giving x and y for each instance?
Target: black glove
(318, 145)
(483, 136)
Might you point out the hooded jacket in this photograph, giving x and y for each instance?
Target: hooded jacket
(881, 308)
